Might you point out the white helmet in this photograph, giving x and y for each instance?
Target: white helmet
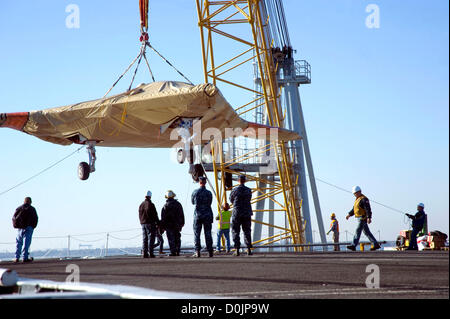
(421, 205)
(149, 194)
(170, 194)
(356, 189)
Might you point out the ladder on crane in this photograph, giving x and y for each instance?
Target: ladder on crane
(222, 21)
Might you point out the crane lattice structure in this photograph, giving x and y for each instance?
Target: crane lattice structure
(272, 164)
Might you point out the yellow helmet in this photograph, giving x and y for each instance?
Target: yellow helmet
(333, 215)
(170, 194)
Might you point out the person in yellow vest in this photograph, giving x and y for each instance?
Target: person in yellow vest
(335, 229)
(362, 211)
(224, 226)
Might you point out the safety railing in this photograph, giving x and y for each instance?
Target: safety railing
(126, 242)
(299, 72)
(89, 245)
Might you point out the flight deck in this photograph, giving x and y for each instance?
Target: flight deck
(307, 275)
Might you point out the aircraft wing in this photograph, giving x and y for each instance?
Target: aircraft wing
(143, 117)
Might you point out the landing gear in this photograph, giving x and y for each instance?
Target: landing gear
(85, 169)
(183, 154)
(196, 171)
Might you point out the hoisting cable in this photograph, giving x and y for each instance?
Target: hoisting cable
(143, 11)
(347, 191)
(150, 46)
(283, 16)
(137, 67)
(41, 172)
(148, 66)
(143, 8)
(121, 76)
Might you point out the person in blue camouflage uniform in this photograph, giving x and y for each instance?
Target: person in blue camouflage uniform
(203, 216)
(240, 197)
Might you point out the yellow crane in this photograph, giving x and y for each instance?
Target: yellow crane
(243, 24)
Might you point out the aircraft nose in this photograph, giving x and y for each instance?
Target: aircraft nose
(14, 120)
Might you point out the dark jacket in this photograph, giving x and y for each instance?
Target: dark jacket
(25, 216)
(148, 213)
(202, 199)
(172, 215)
(418, 220)
(241, 197)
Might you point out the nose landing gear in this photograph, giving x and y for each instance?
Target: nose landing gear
(85, 169)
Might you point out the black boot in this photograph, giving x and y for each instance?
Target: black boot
(375, 247)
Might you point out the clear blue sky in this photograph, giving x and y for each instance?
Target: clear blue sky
(376, 111)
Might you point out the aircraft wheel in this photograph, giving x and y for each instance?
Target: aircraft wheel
(181, 156)
(196, 171)
(83, 171)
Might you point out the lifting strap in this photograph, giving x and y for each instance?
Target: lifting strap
(143, 9)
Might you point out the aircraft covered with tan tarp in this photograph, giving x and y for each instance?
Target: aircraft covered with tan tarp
(142, 117)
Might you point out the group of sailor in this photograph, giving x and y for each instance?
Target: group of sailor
(172, 221)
